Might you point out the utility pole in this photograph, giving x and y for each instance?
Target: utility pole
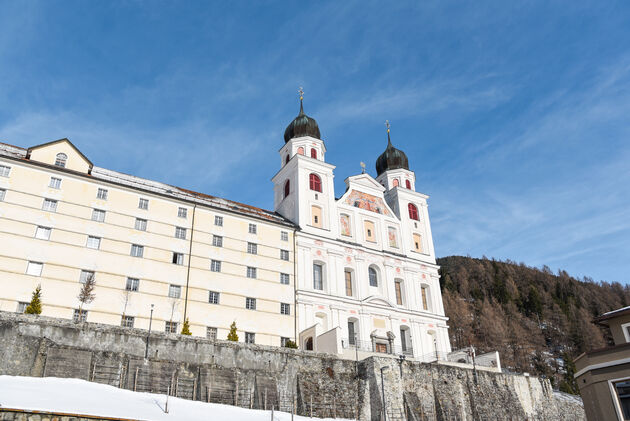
(146, 350)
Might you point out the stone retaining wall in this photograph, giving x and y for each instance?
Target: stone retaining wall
(8, 414)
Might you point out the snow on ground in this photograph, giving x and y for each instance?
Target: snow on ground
(86, 398)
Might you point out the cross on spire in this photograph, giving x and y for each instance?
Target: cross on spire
(387, 125)
(301, 91)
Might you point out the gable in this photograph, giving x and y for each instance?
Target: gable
(367, 201)
(47, 153)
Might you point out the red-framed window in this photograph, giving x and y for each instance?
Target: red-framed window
(315, 182)
(413, 211)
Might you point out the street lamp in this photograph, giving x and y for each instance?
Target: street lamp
(146, 350)
(383, 392)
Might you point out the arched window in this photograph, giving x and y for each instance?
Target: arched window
(301, 150)
(315, 182)
(287, 188)
(313, 153)
(413, 211)
(61, 159)
(308, 344)
(408, 184)
(395, 182)
(286, 160)
(373, 277)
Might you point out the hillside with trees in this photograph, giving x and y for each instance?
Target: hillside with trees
(537, 320)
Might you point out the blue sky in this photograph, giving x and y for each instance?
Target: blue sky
(514, 115)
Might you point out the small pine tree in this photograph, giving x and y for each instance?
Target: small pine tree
(86, 294)
(186, 328)
(232, 336)
(290, 344)
(35, 307)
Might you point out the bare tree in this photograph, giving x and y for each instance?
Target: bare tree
(126, 295)
(86, 294)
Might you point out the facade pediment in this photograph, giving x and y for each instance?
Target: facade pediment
(374, 299)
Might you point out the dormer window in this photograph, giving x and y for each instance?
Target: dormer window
(61, 159)
(413, 211)
(315, 182)
(313, 153)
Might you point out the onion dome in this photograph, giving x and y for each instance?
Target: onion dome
(391, 159)
(302, 125)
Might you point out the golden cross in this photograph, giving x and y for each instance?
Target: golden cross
(387, 125)
(301, 91)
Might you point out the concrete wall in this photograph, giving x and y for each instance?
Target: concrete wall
(254, 376)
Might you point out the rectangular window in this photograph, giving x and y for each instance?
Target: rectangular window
(318, 280)
(93, 242)
(182, 213)
(43, 233)
(283, 341)
(211, 333)
(174, 291)
(213, 297)
(34, 268)
(136, 250)
(623, 395)
(3, 193)
(251, 272)
(285, 308)
(217, 241)
(143, 204)
(4, 171)
(284, 278)
(178, 258)
(127, 321)
(348, 278)
(250, 338)
(252, 248)
(132, 284)
(21, 308)
(417, 243)
(50, 205)
(352, 336)
(55, 183)
(218, 221)
(85, 275)
(180, 233)
(284, 254)
(98, 215)
(215, 265)
(370, 234)
(170, 327)
(425, 300)
(398, 288)
(141, 224)
(250, 303)
(101, 194)
(252, 228)
(284, 236)
(79, 315)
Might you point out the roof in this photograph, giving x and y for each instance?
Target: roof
(152, 186)
(612, 314)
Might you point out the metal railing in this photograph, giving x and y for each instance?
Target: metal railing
(369, 346)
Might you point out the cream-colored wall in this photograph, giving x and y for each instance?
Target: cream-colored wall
(48, 155)
(65, 254)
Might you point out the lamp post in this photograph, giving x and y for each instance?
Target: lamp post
(146, 350)
(383, 392)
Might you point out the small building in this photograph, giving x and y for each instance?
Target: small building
(603, 375)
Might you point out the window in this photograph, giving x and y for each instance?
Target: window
(61, 159)
(143, 204)
(34, 268)
(252, 228)
(287, 188)
(413, 211)
(21, 307)
(352, 335)
(395, 182)
(408, 184)
(398, 288)
(218, 221)
(344, 225)
(284, 254)
(284, 278)
(348, 279)
(315, 182)
(313, 153)
(285, 309)
(286, 159)
(170, 327)
(252, 248)
(178, 258)
(79, 315)
(284, 236)
(101, 194)
(213, 297)
(98, 215)
(85, 275)
(93, 242)
(250, 303)
(373, 277)
(316, 213)
(425, 297)
(318, 276)
(137, 251)
(127, 321)
(141, 224)
(370, 234)
(182, 213)
(132, 284)
(417, 243)
(250, 338)
(300, 150)
(217, 241)
(283, 341)
(211, 333)
(251, 272)
(622, 389)
(3, 193)
(180, 233)
(43, 233)
(174, 291)
(215, 266)
(55, 183)
(50, 205)
(4, 171)
(392, 236)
